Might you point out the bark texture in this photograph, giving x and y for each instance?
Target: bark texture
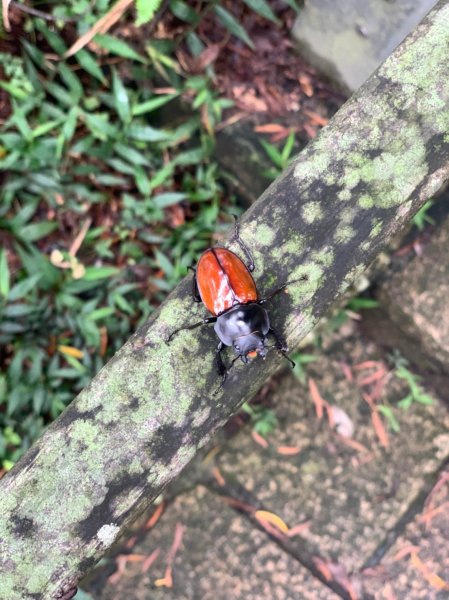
(151, 407)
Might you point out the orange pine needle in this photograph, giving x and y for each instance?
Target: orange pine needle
(259, 439)
(264, 516)
(71, 351)
(323, 568)
(288, 450)
(435, 580)
(298, 529)
(150, 560)
(316, 399)
(373, 377)
(379, 428)
(155, 516)
(218, 476)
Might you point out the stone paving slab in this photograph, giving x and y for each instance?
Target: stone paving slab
(352, 499)
(221, 557)
(414, 313)
(417, 566)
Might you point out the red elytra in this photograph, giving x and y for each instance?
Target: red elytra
(224, 280)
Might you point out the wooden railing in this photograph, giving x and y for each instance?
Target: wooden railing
(148, 411)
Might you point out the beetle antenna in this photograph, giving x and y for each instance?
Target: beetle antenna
(246, 251)
(275, 292)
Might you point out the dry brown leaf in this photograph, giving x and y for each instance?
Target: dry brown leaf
(353, 444)
(101, 26)
(373, 377)
(315, 118)
(207, 57)
(306, 84)
(5, 15)
(103, 340)
(76, 244)
(367, 364)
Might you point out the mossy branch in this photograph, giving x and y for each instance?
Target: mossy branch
(143, 417)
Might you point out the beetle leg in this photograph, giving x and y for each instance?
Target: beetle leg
(281, 345)
(194, 326)
(246, 251)
(195, 292)
(271, 294)
(221, 367)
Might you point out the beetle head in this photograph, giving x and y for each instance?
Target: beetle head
(245, 328)
(249, 346)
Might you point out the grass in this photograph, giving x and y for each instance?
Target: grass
(105, 201)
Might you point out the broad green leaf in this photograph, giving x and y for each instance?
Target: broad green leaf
(14, 90)
(121, 100)
(146, 133)
(4, 274)
(152, 104)
(71, 80)
(118, 47)
(184, 12)
(273, 153)
(131, 155)
(262, 8)
(90, 65)
(388, 413)
(101, 313)
(52, 38)
(168, 198)
(36, 231)
(232, 25)
(21, 289)
(164, 263)
(18, 310)
(95, 273)
(99, 125)
(45, 128)
(145, 10)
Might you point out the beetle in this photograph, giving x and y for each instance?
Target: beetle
(225, 285)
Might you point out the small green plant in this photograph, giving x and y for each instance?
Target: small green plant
(416, 392)
(389, 415)
(422, 218)
(301, 361)
(263, 420)
(105, 201)
(280, 158)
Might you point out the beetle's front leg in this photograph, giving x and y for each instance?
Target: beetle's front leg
(281, 345)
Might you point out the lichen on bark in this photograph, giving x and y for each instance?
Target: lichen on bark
(147, 412)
